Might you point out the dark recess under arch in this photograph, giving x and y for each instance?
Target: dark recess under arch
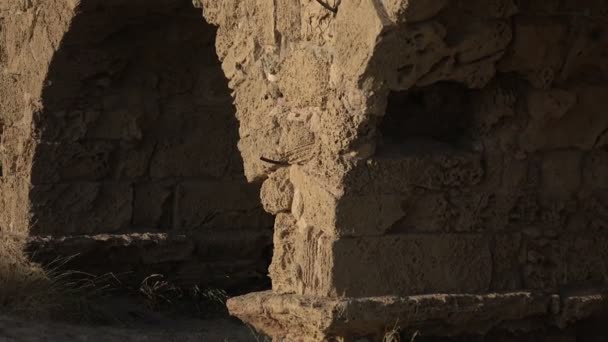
(137, 168)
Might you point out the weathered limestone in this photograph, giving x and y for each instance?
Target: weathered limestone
(427, 146)
(441, 163)
(119, 142)
(306, 318)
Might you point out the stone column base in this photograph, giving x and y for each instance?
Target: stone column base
(289, 317)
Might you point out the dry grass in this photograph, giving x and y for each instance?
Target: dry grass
(161, 294)
(41, 292)
(158, 291)
(24, 287)
(395, 334)
(32, 291)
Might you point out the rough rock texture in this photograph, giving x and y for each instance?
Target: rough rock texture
(305, 318)
(433, 145)
(407, 147)
(117, 125)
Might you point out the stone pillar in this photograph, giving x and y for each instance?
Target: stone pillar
(422, 157)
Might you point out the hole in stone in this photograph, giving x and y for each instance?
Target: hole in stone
(138, 135)
(438, 114)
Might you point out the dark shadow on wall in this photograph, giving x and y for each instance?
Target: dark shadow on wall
(137, 139)
(439, 113)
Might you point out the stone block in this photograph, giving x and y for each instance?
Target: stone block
(213, 89)
(377, 191)
(17, 151)
(247, 220)
(228, 204)
(199, 151)
(413, 11)
(283, 270)
(457, 211)
(122, 116)
(550, 104)
(586, 52)
(277, 192)
(290, 317)
(288, 20)
(226, 245)
(131, 161)
(537, 51)
(419, 164)
(14, 204)
(80, 208)
(411, 264)
(561, 173)
(232, 276)
(63, 162)
(595, 169)
(577, 260)
(424, 213)
(508, 255)
(153, 205)
(350, 215)
(358, 28)
(222, 260)
(68, 125)
(580, 126)
(123, 251)
(304, 64)
(389, 265)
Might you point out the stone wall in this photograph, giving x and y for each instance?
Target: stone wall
(419, 147)
(132, 138)
(441, 163)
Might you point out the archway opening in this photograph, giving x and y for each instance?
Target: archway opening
(136, 167)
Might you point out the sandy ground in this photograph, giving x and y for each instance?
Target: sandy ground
(129, 319)
(221, 329)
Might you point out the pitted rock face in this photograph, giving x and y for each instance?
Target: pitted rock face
(407, 147)
(119, 142)
(471, 125)
(345, 73)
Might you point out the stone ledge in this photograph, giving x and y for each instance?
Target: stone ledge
(290, 317)
(227, 260)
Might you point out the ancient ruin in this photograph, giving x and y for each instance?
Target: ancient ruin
(119, 143)
(436, 165)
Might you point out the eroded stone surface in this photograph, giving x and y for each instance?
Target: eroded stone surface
(116, 118)
(398, 141)
(186, 258)
(277, 192)
(473, 127)
(305, 318)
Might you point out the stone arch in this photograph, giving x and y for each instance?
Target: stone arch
(134, 164)
(449, 216)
